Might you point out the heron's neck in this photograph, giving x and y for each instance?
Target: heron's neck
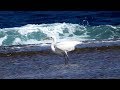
(53, 44)
(54, 41)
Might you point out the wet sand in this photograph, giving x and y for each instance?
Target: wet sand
(100, 63)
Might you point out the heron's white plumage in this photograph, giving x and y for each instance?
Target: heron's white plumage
(67, 45)
(62, 48)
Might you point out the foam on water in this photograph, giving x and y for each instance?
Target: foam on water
(35, 33)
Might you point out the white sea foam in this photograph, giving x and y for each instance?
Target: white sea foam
(2, 39)
(35, 33)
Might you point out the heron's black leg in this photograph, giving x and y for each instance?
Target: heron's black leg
(66, 61)
(66, 58)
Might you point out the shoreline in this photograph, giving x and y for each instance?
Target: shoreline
(48, 51)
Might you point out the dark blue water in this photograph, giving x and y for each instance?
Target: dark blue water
(97, 28)
(19, 18)
(20, 28)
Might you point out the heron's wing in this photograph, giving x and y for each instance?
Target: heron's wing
(58, 48)
(59, 51)
(66, 45)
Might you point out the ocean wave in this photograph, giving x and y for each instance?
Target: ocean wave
(35, 33)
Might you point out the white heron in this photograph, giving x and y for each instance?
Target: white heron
(61, 48)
